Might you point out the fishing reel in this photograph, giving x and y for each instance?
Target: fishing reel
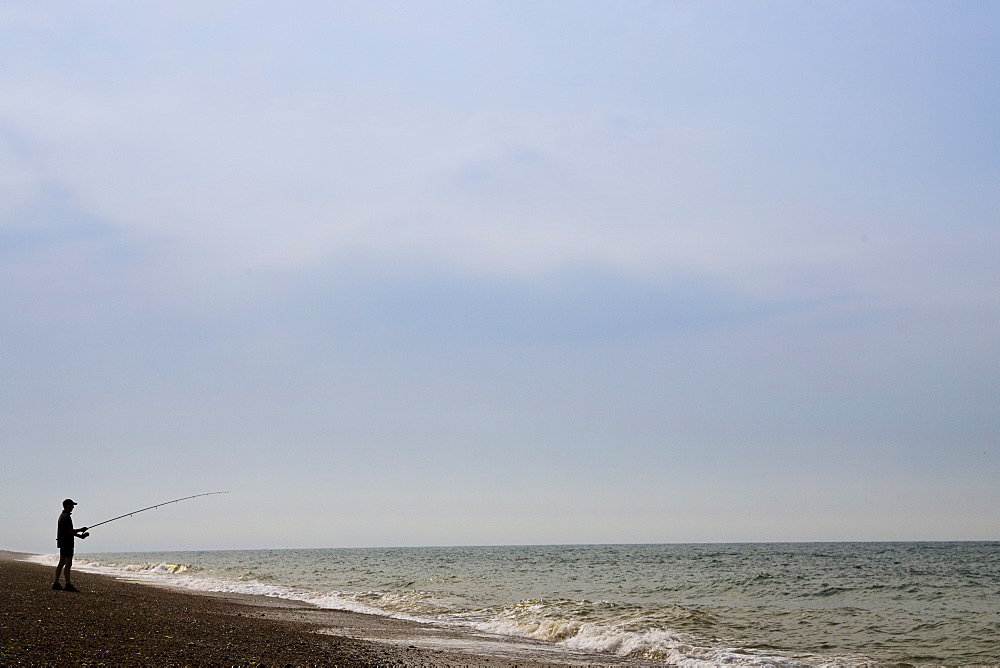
(85, 533)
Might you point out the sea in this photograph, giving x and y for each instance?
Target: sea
(780, 604)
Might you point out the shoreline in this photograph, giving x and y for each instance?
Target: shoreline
(125, 622)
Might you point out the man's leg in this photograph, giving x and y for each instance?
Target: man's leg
(59, 569)
(69, 563)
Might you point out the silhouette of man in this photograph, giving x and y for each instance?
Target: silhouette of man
(65, 537)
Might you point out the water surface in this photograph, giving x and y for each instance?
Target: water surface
(759, 604)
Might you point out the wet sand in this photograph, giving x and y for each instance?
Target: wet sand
(116, 622)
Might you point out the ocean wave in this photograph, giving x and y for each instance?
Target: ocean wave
(187, 576)
(44, 559)
(151, 568)
(617, 638)
(156, 568)
(827, 592)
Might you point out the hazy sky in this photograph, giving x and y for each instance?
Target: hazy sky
(424, 273)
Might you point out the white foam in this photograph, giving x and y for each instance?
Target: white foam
(651, 644)
(44, 559)
(176, 575)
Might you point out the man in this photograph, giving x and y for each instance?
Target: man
(64, 540)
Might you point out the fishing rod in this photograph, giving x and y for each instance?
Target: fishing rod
(183, 498)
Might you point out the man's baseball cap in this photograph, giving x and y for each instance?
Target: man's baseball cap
(68, 502)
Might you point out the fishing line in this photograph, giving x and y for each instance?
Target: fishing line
(134, 512)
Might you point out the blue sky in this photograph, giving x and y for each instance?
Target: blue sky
(500, 272)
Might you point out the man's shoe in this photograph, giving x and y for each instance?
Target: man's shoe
(57, 586)
(70, 587)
